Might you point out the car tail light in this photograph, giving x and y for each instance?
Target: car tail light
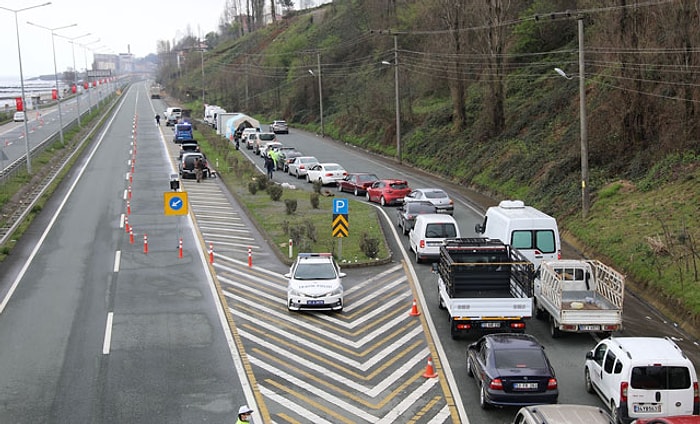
(559, 255)
(329, 174)
(463, 326)
(517, 325)
(552, 384)
(496, 384)
(696, 393)
(623, 391)
(422, 244)
(411, 216)
(302, 167)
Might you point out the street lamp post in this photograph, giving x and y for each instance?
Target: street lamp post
(87, 77)
(55, 70)
(320, 93)
(75, 71)
(21, 81)
(396, 96)
(585, 191)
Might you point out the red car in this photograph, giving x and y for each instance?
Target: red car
(678, 419)
(357, 182)
(388, 192)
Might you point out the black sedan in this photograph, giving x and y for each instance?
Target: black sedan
(407, 213)
(511, 370)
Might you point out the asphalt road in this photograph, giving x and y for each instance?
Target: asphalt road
(93, 330)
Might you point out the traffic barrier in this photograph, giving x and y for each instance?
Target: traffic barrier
(250, 256)
(131, 236)
(430, 370)
(129, 193)
(180, 249)
(126, 224)
(414, 309)
(211, 253)
(145, 244)
(131, 176)
(128, 207)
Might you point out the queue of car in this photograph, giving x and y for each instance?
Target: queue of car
(640, 380)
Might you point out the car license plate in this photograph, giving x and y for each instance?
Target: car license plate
(525, 386)
(490, 325)
(314, 302)
(589, 327)
(646, 408)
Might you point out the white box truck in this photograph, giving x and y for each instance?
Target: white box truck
(579, 296)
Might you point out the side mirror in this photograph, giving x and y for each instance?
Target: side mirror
(478, 228)
(342, 274)
(589, 355)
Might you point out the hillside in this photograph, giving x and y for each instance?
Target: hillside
(481, 105)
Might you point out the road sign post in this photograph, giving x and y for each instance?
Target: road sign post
(340, 227)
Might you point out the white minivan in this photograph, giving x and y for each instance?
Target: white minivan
(429, 232)
(534, 233)
(642, 377)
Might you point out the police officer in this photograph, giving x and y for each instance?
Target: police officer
(244, 414)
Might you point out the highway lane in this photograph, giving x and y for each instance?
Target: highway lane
(97, 331)
(567, 354)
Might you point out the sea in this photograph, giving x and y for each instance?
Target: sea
(10, 89)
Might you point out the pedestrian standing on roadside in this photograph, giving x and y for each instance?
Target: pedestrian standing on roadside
(157, 119)
(269, 166)
(198, 169)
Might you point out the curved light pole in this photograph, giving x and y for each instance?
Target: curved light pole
(71, 40)
(55, 70)
(21, 80)
(320, 94)
(585, 191)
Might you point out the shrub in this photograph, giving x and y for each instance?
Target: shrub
(317, 186)
(275, 191)
(315, 200)
(262, 183)
(311, 230)
(369, 245)
(291, 205)
(253, 187)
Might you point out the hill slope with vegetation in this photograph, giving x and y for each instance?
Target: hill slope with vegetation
(481, 105)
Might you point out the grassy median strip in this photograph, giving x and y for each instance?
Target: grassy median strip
(299, 214)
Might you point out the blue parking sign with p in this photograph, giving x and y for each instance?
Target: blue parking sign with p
(340, 206)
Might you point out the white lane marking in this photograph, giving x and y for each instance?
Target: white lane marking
(117, 260)
(107, 344)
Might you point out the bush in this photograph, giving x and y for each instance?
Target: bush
(291, 205)
(315, 200)
(317, 186)
(275, 191)
(311, 230)
(253, 187)
(369, 245)
(262, 183)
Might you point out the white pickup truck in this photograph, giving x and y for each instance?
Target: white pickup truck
(579, 296)
(485, 285)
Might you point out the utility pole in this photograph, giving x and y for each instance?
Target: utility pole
(585, 193)
(398, 103)
(320, 92)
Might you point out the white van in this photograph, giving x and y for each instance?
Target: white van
(642, 377)
(534, 233)
(429, 232)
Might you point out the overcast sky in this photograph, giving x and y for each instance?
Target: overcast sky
(119, 25)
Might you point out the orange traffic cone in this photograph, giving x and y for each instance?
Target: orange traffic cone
(429, 370)
(414, 309)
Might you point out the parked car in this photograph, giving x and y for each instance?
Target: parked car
(299, 166)
(186, 165)
(190, 146)
(357, 182)
(285, 158)
(561, 414)
(406, 214)
(315, 283)
(388, 192)
(436, 196)
(19, 116)
(326, 173)
(279, 127)
(511, 369)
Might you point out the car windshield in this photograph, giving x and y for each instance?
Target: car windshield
(435, 194)
(519, 358)
(660, 378)
(266, 137)
(317, 271)
(308, 160)
(439, 230)
(333, 168)
(365, 178)
(398, 186)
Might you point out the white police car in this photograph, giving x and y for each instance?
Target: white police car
(314, 283)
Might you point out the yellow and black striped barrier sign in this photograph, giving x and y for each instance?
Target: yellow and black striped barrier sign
(340, 225)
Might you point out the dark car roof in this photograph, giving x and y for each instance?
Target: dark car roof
(512, 341)
(421, 205)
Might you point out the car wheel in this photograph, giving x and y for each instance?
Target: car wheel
(441, 304)
(470, 371)
(405, 229)
(340, 188)
(367, 197)
(587, 380)
(382, 201)
(417, 257)
(553, 330)
(614, 413)
(308, 179)
(482, 397)
(357, 193)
